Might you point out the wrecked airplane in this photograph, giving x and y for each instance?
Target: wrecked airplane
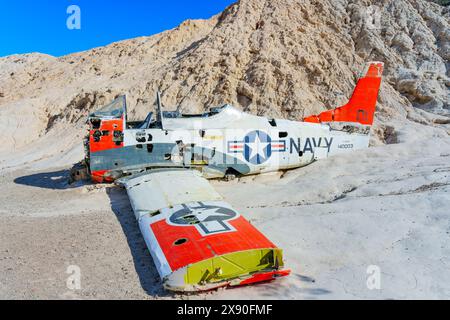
(197, 240)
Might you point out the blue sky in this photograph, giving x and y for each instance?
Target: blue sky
(40, 25)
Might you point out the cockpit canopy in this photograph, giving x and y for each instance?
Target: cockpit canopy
(178, 115)
(151, 122)
(114, 110)
(224, 115)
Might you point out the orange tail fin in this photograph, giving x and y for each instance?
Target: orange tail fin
(361, 107)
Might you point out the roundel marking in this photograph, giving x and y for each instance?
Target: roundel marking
(207, 218)
(257, 147)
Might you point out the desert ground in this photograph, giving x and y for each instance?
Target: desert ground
(387, 207)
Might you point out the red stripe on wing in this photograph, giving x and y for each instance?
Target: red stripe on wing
(199, 248)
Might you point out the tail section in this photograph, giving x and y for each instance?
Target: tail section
(361, 107)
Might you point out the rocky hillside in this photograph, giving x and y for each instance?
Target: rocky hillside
(285, 58)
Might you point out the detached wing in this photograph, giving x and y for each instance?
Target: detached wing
(197, 241)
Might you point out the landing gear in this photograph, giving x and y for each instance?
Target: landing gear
(229, 177)
(231, 174)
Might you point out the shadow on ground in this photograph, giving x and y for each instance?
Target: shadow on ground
(120, 205)
(287, 289)
(143, 263)
(57, 180)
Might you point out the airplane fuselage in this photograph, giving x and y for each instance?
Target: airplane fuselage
(228, 142)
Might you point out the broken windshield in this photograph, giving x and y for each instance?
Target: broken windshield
(115, 109)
